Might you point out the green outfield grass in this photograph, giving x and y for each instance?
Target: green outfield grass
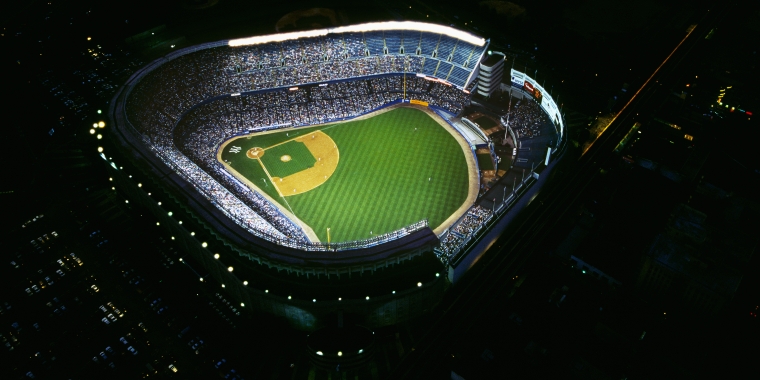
(395, 169)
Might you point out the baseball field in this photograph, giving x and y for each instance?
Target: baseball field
(359, 178)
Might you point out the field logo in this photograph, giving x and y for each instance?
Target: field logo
(235, 149)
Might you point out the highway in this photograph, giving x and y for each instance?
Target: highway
(488, 282)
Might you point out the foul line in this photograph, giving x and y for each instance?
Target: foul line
(270, 177)
(637, 92)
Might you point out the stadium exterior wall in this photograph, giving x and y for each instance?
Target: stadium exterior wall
(302, 314)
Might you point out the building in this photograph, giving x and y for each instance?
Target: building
(688, 265)
(491, 72)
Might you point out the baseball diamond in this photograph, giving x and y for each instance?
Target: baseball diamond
(360, 178)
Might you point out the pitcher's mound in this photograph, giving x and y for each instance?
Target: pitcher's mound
(254, 153)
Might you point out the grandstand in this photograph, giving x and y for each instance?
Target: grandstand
(245, 86)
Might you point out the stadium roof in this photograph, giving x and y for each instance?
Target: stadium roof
(368, 27)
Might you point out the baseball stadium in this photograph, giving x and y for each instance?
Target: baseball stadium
(327, 155)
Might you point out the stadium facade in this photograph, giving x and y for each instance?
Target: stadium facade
(167, 119)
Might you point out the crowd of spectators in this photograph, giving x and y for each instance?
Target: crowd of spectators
(461, 232)
(191, 78)
(200, 131)
(526, 119)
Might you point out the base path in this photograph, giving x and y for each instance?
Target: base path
(323, 148)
